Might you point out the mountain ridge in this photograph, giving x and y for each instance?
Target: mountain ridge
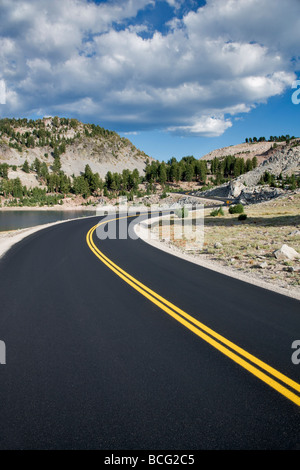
(76, 144)
(261, 150)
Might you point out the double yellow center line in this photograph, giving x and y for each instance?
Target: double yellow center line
(278, 381)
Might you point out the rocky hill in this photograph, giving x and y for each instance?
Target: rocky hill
(75, 143)
(283, 163)
(261, 150)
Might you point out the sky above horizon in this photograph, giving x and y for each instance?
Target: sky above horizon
(176, 77)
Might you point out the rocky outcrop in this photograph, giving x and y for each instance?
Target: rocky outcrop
(285, 161)
(236, 188)
(244, 150)
(245, 188)
(258, 194)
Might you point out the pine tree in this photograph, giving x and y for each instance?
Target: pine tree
(56, 165)
(17, 188)
(25, 167)
(44, 170)
(254, 162)
(162, 174)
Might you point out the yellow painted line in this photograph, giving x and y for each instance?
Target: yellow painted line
(239, 350)
(196, 327)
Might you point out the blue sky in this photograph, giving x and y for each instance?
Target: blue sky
(176, 77)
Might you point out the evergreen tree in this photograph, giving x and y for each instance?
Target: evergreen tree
(162, 174)
(249, 165)
(108, 180)
(17, 190)
(44, 170)
(81, 186)
(4, 170)
(56, 165)
(56, 153)
(37, 166)
(202, 171)
(189, 172)
(25, 167)
(174, 172)
(254, 162)
(125, 179)
(64, 183)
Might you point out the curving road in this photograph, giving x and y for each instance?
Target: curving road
(97, 361)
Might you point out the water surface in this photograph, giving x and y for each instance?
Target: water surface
(16, 219)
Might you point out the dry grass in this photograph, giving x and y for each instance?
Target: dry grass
(249, 246)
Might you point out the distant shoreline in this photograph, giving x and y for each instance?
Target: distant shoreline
(11, 237)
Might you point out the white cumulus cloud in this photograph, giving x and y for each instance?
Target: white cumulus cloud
(94, 62)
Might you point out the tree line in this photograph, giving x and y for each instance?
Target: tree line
(272, 138)
(127, 182)
(190, 169)
(291, 182)
(58, 183)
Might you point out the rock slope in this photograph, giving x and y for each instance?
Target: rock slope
(285, 161)
(84, 144)
(261, 150)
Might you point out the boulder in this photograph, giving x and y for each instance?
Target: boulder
(263, 265)
(286, 252)
(236, 187)
(218, 245)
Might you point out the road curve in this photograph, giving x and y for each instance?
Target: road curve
(92, 363)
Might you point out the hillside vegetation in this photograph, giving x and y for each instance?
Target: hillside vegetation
(51, 160)
(76, 145)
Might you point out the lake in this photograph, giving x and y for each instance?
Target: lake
(13, 220)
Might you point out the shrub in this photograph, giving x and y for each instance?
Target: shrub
(217, 212)
(238, 209)
(181, 213)
(242, 217)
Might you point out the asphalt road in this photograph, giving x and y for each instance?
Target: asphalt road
(91, 363)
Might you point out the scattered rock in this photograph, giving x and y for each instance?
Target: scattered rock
(218, 245)
(294, 233)
(290, 269)
(286, 252)
(263, 265)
